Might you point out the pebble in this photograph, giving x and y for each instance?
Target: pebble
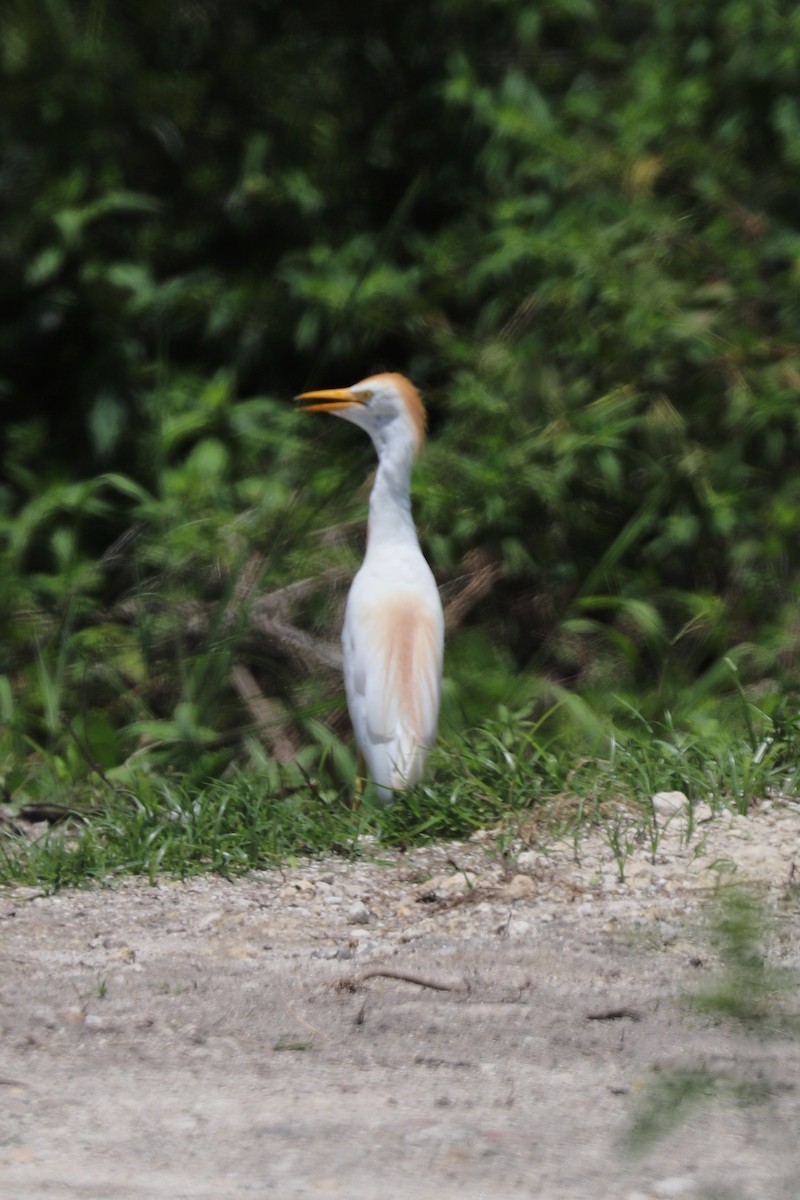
(675, 1185)
(528, 859)
(518, 928)
(99, 1024)
(667, 804)
(358, 913)
(331, 952)
(448, 885)
(519, 886)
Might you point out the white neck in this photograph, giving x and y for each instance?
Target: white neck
(390, 517)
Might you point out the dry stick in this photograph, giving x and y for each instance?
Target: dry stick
(267, 612)
(481, 578)
(267, 617)
(614, 1014)
(299, 643)
(267, 717)
(353, 981)
(359, 1017)
(280, 598)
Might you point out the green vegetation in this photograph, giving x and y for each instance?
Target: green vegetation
(508, 776)
(574, 224)
(747, 993)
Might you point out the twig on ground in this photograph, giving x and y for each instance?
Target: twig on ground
(615, 1014)
(353, 982)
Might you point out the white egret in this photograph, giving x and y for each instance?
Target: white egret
(393, 635)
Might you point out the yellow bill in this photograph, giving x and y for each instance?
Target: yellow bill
(331, 398)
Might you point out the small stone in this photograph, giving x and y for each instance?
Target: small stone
(358, 935)
(333, 952)
(518, 928)
(519, 887)
(527, 859)
(666, 804)
(98, 1024)
(358, 913)
(675, 1185)
(445, 886)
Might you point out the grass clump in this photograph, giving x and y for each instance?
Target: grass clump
(513, 776)
(166, 826)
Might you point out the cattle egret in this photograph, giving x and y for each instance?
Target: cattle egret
(393, 635)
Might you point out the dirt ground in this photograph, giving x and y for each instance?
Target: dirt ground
(211, 1039)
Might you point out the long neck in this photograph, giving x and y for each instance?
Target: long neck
(390, 517)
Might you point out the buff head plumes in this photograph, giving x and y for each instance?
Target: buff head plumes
(376, 404)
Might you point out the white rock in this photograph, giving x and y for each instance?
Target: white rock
(666, 804)
(675, 1185)
(527, 859)
(327, 952)
(358, 913)
(445, 886)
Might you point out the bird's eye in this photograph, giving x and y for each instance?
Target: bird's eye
(365, 397)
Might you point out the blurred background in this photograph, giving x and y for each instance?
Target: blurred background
(573, 223)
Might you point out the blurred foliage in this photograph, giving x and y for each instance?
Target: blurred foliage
(572, 222)
(753, 993)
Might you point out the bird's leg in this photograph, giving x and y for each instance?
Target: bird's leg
(361, 780)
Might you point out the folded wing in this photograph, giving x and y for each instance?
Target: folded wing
(393, 657)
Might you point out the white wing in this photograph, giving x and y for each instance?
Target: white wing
(393, 642)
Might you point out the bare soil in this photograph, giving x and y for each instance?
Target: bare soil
(212, 1039)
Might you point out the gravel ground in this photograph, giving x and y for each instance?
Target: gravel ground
(279, 1036)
